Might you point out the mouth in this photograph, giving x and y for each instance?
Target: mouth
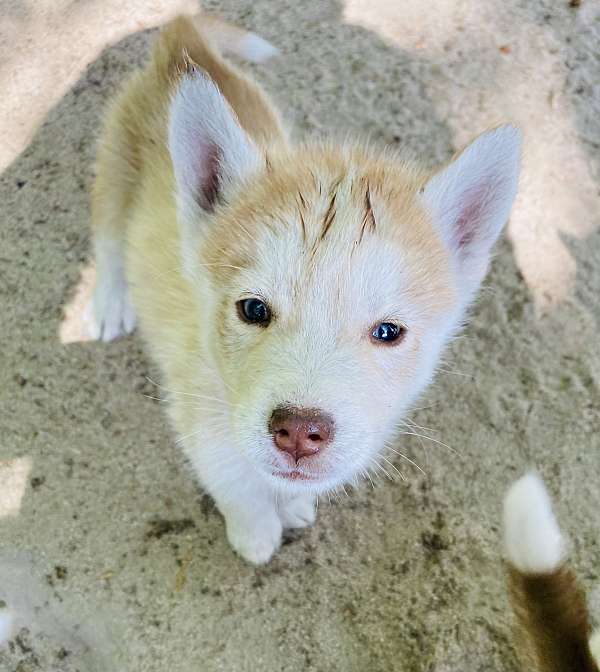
(294, 475)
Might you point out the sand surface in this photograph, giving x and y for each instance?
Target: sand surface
(110, 557)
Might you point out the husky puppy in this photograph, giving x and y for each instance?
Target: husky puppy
(295, 297)
(553, 627)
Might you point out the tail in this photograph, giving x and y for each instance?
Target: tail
(551, 610)
(201, 40)
(230, 39)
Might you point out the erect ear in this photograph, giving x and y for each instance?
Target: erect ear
(470, 200)
(210, 152)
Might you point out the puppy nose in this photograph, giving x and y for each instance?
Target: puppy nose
(300, 432)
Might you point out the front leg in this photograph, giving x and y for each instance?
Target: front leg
(243, 496)
(253, 528)
(298, 511)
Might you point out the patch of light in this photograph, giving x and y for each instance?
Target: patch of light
(13, 481)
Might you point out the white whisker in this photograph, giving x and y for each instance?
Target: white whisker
(365, 474)
(405, 457)
(379, 466)
(411, 423)
(393, 466)
(457, 373)
(430, 438)
(189, 394)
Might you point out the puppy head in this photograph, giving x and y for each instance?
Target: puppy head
(328, 280)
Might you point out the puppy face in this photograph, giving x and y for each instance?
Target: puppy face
(331, 298)
(328, 282)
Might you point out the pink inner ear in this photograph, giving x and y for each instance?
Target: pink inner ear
(470, 218)
(209, 178)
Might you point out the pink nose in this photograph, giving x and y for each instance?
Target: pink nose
(300, 432)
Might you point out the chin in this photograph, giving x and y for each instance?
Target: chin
(301, 481)
(318, 477)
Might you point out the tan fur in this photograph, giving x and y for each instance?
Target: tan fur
(553, 628)
(553, 624)
(135, 129)
(134, 165)
(343, 239)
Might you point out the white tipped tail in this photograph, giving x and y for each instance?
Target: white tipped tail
(234, 40)
(532, 538)
(549, 605)
(595, 647)
(255, 48)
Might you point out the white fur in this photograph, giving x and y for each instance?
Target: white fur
(201, 119)
(249, 507)
(233, 40)
(201, 123)
(595, 646)
(110, 313)
(470, 200)
(298, 511)
(533, 541)
(365, 388)
(326, 361)
(313, 368)
(328, 289)
(254, 537)
(254, 48)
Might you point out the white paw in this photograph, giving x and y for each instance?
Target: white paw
(255, 540)
(298, 512)
(110, 313)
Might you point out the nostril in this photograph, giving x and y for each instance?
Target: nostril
(300, 432)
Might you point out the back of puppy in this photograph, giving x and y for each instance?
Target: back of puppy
(553, 626)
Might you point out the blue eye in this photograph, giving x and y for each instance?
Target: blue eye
(254, 311)
(388, 332)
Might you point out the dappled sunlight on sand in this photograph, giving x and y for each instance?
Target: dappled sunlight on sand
(72, 34)
(515, 392)
(13, 483)
(74, 327)
(557, 194)
(498, 77)
(87, 632)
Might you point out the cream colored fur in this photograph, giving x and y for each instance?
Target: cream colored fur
(532, 538)
(206, 203)
(550, 608)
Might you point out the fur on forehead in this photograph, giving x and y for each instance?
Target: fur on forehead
(332, 204)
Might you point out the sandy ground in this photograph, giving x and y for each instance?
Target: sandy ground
(110, 556)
